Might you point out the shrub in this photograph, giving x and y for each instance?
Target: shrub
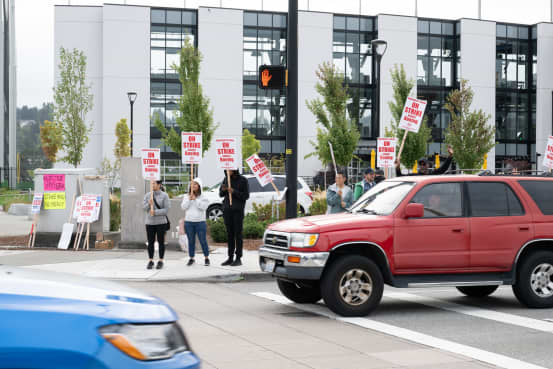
(114, 213)
(253, 229)
(217, 230)
(318, 207)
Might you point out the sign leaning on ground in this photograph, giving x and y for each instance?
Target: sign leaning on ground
(151, 164)
(227, 158)
(413, 111)
(548, 156)
(37, 203)
(54, 182)
(89, 210)
(191, 147)
(260, 170)
(386, 149)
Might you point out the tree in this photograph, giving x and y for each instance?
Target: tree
(72, 101)
(415, 143)
(331, 114)
(122, 145)
(195, 114)
(468, 133)
(250, 146)
(51, 139)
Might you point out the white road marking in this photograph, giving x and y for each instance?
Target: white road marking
(421, 338)
(511, 319)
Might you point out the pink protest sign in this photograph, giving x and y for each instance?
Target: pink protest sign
(54, 182)
(258, 168)
(548, 156)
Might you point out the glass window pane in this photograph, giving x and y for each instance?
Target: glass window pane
(501, 73)
(263, 121)
(352, 24)
(250, 38)
(447, 28)
(540, 191)
(249, 115)
(447, 50)
(523, 50)
(365, 120)
(265, 39)
(422, 69)
(250, 19)
(189, 18)
(436, 28)
(436, 75)
(435, 46)
(352, 68)
(172, 58)
(501, 49)
(339, 42)
(339, 60)
(158, 16)
(279, 20)
(365, 43)
(352, 43)
(522, 75)
(488, 199)
(250, 63)
(265, 20)
(510, 129)
(339, 22)
(512, 32)
(366, 24)
(278, 146)
(365, 69)
(447, 72)
(157, 62)
(422, 45)
(500, 149)
(511, 74)
(523, 32)
(265, 146)
(501, 30)
(173, 17)
(440, 200)
(423, 26)
(279, 41)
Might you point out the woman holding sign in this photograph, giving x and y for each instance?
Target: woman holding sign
(156, 208)
(195, 204)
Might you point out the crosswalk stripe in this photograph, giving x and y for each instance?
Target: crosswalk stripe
(413, 336)
(497, 316)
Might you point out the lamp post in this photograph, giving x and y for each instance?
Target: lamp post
(378, 49)
(132, 99)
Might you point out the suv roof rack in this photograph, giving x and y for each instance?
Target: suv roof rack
(522, 173)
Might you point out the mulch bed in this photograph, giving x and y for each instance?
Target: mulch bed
(14, 241)
(248, 244)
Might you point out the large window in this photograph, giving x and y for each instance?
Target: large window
(264, 111)
(515, 76)
(352, 56)
(440, 200)
(169, 30)
(438, 59)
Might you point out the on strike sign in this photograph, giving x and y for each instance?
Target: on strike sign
(259, 169)
(413, 111)
(386, 152)
(89, 209)
(226, 153)
(37, 203)
(548, 157)
(191, 147)
(150, 164)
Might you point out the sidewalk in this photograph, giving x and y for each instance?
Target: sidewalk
(131, 265)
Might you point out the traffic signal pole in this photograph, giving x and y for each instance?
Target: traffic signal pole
(292, 112)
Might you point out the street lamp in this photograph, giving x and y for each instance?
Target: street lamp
(378, 49)
(132, 99)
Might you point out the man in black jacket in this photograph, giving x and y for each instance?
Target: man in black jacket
(424, 167)
(234, 215)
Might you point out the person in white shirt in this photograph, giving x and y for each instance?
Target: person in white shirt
(195, 204)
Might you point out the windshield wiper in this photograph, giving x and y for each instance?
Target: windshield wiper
(367, 211)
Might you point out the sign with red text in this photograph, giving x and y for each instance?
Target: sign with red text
(227, 156)
(54, 182)
(548, 156)
(413, 111)
(191, 147)
(386, 152)
(37, 203)
(89, 209)
(150, 164)
(260, 170)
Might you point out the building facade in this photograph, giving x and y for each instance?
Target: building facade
(8, 101)
(132, 48)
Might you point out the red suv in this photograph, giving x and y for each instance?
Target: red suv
(471, 232)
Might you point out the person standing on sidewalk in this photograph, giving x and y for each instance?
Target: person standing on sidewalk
(366, 184)
(156, 220)
(234, 214)
(195, 204)
(424, 167)
(339, 197)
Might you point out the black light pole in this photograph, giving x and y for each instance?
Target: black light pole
(378, 49)
(132, 98)
(292, 113)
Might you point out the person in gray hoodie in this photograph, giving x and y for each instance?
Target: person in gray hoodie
(156, 220)
(339, 197)
(195, 204)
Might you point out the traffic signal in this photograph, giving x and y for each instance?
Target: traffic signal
(272, 77)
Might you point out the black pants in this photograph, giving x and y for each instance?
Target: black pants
(234, 220)
(152, 231)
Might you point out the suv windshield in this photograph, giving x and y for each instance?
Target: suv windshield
(383, 198)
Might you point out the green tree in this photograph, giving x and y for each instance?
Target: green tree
(330, 112)
(250, 146)
(122, 145)
(72, 101)
(468, 133)
(415, 143)
(195, 114)
(51, 139)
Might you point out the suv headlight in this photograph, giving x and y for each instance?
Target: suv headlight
(303, 239)
(146, 341)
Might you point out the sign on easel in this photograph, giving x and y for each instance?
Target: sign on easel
(548, 156)
(386, 149)
(227, 157)
(413, 111)
(151, 164)
(89, 209)
(191, 147)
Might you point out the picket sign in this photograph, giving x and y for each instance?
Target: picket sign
(411, 119)
(333, 160)
(35, 210)
(151, 164)
(87, 212)
(191, 147)
(386, 148)
(548, 156)
(261, 172)
(227, 157)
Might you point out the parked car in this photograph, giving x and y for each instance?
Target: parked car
(60, 321)
(471, 232)
(259, 195)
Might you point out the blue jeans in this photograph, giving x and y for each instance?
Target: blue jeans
(199, 228)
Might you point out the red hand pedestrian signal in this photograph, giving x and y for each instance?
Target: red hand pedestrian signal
(272, 77)
(265, 78)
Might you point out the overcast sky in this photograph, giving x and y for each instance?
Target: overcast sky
(34, 27)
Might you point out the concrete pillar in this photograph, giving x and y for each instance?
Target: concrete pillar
(544, 88)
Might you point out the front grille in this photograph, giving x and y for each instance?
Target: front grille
(279, 240)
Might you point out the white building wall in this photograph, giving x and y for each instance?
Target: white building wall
(126, 67)
(315, 47)
(401, 34)
(544, 88)
(220, 41)
(81, 28)
(478, 67)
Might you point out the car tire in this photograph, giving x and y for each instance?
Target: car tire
(214, 212)
(352, 286)
(534, 284)
(477, 291)
(300, 293)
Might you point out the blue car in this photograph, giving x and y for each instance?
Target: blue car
(58, 321)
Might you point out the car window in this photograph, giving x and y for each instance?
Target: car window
(540, 192)
(383, 198)
(440, 200)
(280, 183)
(254, 185)
(493, 199)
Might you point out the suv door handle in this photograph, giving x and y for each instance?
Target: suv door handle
(458, 230)
(525, 228)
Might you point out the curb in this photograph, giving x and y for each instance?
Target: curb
(229, 278)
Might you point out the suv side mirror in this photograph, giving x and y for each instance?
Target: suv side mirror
(414, 210)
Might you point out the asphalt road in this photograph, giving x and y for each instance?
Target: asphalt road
(242, 325)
